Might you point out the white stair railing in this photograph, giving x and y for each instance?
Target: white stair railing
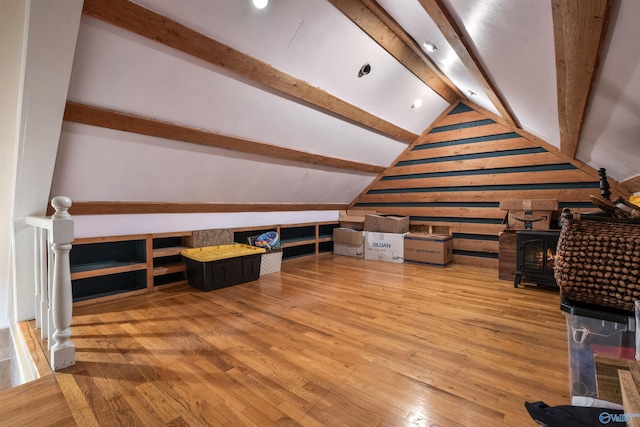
(54, 300)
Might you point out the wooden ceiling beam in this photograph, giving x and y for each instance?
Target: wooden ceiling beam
(142, 21)
(580, 29)
(95, 116)
(411, 43)
(455, 36)
(135, 208)
(377, 24)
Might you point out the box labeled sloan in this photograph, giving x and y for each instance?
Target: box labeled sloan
(435, 249)
(384, 246)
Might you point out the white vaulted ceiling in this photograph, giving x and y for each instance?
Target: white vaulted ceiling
(314, 42)
(514, 40)
(118, 70)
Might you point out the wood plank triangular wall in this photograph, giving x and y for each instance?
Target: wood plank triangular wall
(457, 174)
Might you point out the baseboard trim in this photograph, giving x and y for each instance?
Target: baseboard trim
(23, 367)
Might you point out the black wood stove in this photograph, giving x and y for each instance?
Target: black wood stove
(535, 257)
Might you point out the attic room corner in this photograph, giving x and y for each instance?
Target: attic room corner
(319, 212)
(38, 42)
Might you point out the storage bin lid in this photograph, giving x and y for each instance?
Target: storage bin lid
(578, 308)
(215, 253)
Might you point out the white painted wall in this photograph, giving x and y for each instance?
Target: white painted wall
(118, 70)
(610, 132)
(117, 225)
(92, 165)
(523, 68)
(12, 27)
(51, 33)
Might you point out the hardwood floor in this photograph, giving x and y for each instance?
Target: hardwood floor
(332, 341)
(36, 403)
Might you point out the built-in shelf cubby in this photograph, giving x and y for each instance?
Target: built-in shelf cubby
(297, 240)
(168, 266)
(108, 285)
(107, 255)
(107, 266)
(325, 237)
(298, 235)
(104, 268)
(243, 235)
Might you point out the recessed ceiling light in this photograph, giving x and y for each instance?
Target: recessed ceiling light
(364, 70)
(429, 47)
(417, 103)
(260, 4)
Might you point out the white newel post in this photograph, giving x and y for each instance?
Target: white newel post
(63, 350)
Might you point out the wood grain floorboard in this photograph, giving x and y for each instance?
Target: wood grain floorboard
(36, 403)
(329, 341)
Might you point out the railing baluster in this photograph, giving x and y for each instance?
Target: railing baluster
(63, 350)
(37, 274)
(54, 300)
(46, 291)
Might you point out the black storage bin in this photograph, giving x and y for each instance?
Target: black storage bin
(216, 267)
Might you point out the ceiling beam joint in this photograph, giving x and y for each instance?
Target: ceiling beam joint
(456, 38)
(580, 29)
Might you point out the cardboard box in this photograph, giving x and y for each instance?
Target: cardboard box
(348, 242)
(434, 249)
(529, 214)
(353, 218)
(386, 223)
(384, 246)
(348, 250)
(348, 236)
